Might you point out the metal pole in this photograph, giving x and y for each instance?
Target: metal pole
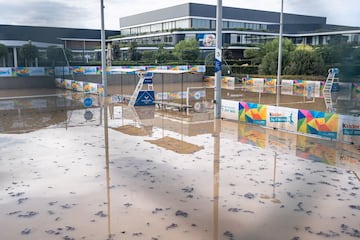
(218, 56)
(103, 56)
(278, 79)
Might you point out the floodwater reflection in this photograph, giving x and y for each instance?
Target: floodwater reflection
(91, 181)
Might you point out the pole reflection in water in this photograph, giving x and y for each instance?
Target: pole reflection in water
(107, 167)
(216, 135)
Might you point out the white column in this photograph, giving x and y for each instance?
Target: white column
(15, 57)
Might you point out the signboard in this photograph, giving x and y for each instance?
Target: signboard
(230, 109)
(88, 102)
(349, 129)
(5, 72)
(322, 124)
(206, 39)
(145, 98)
(252, 113)
(282, 118)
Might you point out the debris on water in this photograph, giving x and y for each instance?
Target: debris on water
(26, 231)
(188, 189)
(101, 214)
(181, 213)
(249, 195)
(171, 226)
(28, 214)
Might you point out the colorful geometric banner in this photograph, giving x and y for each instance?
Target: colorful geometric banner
(318, 123)
(252, 113)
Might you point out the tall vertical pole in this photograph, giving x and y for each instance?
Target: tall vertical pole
(218, 56)
(278, 79)
(103, 55)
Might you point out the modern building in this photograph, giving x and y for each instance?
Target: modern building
(241, 28)
(83, 43)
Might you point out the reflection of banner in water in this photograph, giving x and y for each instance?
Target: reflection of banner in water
(349, 129)
(319, 150)
(252, 113)
(252, 135)
(319, 123)
(280, 141)
(282, 118)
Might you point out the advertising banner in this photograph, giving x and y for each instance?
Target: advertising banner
(78, 70)
(322, 124)
(349, 129)
(61, 71)
(287, 87)
(356, 91)
(270, 85)
(252, 113)
(280, 141)
(282, 118)
(36, 71)
(21, 72)
(299, 87)
(90, 87)
(312, 89)
(90, 71)
(5, 72)
(258, 85)
(230, 109)
(206, 39)
(7, 105)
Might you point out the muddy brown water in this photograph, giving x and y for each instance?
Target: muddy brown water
(63, 176)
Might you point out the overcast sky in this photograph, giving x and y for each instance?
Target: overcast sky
(86, 13)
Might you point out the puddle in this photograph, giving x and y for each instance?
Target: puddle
(69, 178)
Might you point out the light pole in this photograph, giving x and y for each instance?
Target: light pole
(218, 56)
(103, 55)
(278, 79)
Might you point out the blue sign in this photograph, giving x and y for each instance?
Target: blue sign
(88, 102)
(145, 98)
(148, 80)
(217, 65)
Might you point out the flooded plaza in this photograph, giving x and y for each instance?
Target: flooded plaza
(70, 172)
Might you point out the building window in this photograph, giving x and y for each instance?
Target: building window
(156, 27)
(185, 24)
(200, 23)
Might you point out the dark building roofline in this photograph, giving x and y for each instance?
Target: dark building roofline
(209, 11)
(48, 34)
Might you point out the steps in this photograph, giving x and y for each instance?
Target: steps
(145, 78)
(331, 78)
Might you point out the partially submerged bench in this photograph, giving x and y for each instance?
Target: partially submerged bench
(172, 105)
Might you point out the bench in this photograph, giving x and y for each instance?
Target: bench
(172, 105)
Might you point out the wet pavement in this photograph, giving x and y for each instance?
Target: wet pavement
(70, 174)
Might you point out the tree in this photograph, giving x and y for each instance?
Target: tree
(3, 53)
(187, 50)
(304, 60)
(29, 53)
(134, 55)
(267, 55)
(162, 55)
(56, 55)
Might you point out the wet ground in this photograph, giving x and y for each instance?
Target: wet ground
(70, 174)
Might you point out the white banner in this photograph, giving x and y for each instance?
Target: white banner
(230, 109)
(5, 72)
(287, 87)
(349, 129)
(282, 118)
